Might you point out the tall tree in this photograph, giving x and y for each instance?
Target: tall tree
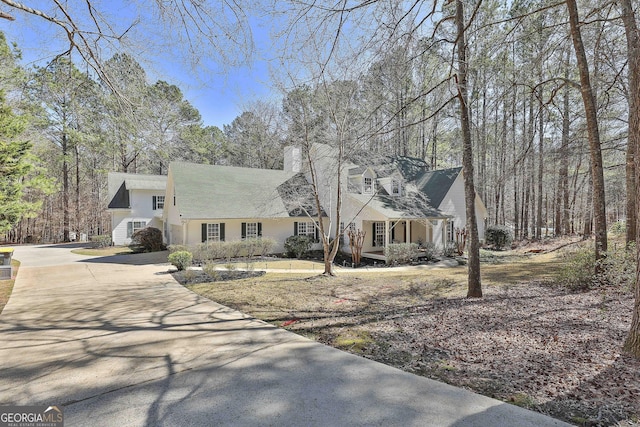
(595, 150)
(15, 166)
(63, 92)
(632, 343)
(473, 280)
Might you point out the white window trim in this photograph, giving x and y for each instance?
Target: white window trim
(380, 232)
(252, 230)
(307, 229)
(213, 232)
(135, 226)
(367, 188)
(159, 202)
(396, 187)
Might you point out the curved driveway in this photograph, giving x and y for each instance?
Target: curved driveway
(117, 341)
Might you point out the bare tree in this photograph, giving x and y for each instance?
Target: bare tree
(588, 98)
(632, 343)
(192, 30)
(473, 280)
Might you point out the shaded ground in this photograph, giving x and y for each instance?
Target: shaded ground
(526, 342)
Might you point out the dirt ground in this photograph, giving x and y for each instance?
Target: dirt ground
(528, 341)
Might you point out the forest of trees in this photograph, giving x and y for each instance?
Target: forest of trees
(539, 99)
(528, 125)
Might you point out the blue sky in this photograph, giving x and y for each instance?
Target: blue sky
(218, 91)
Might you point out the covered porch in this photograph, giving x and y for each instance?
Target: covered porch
(420, 231)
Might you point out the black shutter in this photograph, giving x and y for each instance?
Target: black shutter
(295, 228)
(204, 232)
(244, 230)
(393, 232)
(373, 233)
(154, 202)
(317, 232)
(222, 231)
(259, 229)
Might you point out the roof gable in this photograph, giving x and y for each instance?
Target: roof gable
(436, 184)
(121, 199)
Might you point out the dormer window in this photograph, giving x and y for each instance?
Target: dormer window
(368, 185)
(396, 187)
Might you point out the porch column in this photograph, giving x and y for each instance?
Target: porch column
(428, 225)
(386, 233)
(445, 223)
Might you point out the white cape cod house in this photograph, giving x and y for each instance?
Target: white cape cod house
(395, 200)
(224, 203)
(391, 199)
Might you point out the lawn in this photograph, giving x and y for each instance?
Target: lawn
(529, 341)
(108, 251)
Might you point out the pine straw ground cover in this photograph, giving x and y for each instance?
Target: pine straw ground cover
(527, 341)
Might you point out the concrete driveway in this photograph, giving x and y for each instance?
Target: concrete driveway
(122, 344)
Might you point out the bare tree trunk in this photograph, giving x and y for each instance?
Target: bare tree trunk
(540, 168)
(632, 343)
(588, 98)
(77, 193)
(633, 50)
(65, 184)
(474, 283)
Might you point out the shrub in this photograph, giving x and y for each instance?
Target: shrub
(266, 246)
(450, 250)
(101, 240)
(233, 249)
(401, 253)
(498, 236)
(208, 251)
(617, 267)
(181, 259)
(618, 227)
(211, 270)
(148, 239)
(177, 248)
(297, 246)
(429, 250)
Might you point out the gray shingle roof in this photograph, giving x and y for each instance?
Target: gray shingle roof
(436, 184)
(227, 192)
(412, 205)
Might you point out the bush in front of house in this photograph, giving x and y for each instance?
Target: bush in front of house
(428, 250)
(148, 239)
(181, 259)
(208, 251)
(297, 246)
(101, 240)
(450, 250)
(265, 246)
(498, 236)
(401, 253)
(177, 248)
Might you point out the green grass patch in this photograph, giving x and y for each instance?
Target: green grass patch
(354, 341)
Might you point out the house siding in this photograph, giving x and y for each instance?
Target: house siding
(453, 204)
(141, 210)
(277, 229)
